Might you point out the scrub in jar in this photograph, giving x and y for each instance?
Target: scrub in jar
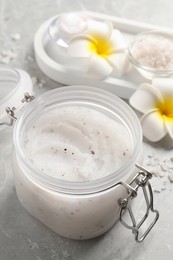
(71, 154)
(77, 143)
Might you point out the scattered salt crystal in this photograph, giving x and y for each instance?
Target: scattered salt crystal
(150, 156)
(38, 82)
(152, 163)
(164, 167)
(156, 159)
(66, 254)
(41, 83)
(7, 56)
(157, 189)
(155, 171)
(4, 53)
(12, 54)
(170, 167)
(170, 177)
(158, 186)
(5, 60)
(162, 174)
(15, 37)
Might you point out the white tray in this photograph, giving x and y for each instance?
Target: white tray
(122, 87)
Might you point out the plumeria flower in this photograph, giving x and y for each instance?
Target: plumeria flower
(155, 102)
(103, 46)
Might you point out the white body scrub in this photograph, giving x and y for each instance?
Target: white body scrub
(73, 146)
(77, 144)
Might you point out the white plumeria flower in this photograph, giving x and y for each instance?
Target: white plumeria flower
(104, 48)
(155, 101)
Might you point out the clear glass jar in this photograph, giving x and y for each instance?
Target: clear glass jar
(77, 210)
(150, 53)
(14, 83)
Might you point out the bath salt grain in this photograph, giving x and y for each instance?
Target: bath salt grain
(162, 170)
(7, 56)
(15, 37)
(38, 82)
(170, 176)
(154, 51)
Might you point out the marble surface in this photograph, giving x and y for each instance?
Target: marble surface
(22, 236)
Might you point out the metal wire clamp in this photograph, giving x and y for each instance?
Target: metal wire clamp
(141, 180)
(11, 111)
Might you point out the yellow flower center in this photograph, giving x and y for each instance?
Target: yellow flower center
(166, 108)
(100, 46)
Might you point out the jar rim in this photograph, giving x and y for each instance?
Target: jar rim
(69, 187)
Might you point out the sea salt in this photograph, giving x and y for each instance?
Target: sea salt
(170, 176)
(15, 37)
(7, 56)
(162, 170)
(154, 51)
(38, 82)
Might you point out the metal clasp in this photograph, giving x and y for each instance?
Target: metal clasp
(141, 180)
(27, 98)
(11, 111)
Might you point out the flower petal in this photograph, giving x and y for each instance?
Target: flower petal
(145, 98)
(117, 41)
(79, 46)
(119, 62)
(153, 126)
(169, 126)
(98, 67)
(164, 85)
(100, 29)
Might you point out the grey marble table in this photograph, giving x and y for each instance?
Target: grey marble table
(21, 236)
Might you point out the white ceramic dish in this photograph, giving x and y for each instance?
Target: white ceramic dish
(122, 87)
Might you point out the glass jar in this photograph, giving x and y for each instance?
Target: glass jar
(150, 53)
(14, 83)
(75, 209)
